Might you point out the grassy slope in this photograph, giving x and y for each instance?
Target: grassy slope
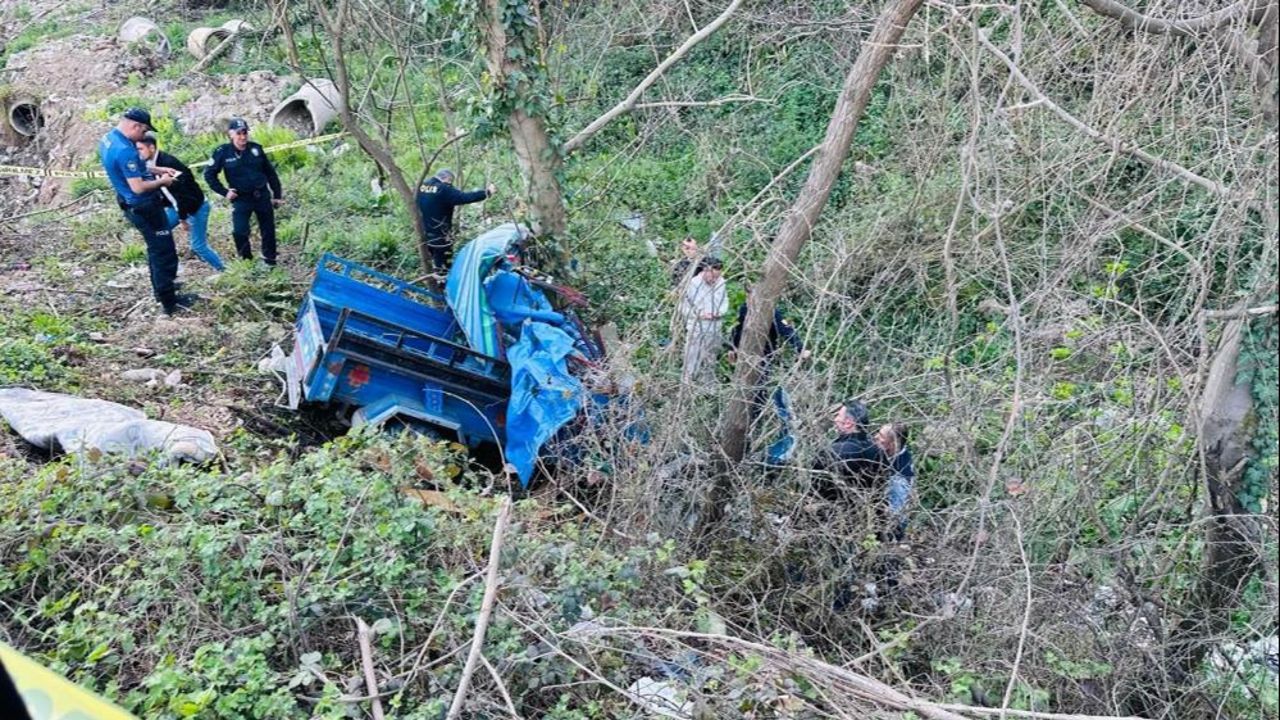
(182, 591)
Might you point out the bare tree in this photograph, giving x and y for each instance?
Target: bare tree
(368, 116)
(800, 220)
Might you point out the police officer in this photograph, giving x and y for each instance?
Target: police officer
(252, 187)
(138, 195)
(437, 198)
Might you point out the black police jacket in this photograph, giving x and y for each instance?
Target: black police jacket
(185, 190)
(779, 329)
(246, 170)
(436, 200)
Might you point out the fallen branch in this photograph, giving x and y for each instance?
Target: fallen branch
(628, 103)
(217, 52)
(847, 681)
(13, 218)
(486, 608)
(366, 662)
(734, 98)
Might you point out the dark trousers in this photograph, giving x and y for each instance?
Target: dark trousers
(162, 257)
(254, 202)
(441, 254)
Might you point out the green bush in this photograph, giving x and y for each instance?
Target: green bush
(184, 592)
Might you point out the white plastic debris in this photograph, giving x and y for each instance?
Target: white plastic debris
(661, 698)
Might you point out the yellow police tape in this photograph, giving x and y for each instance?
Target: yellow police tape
(12, 170)
(49, 696)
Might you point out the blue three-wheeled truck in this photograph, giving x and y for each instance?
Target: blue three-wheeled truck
(487, 361)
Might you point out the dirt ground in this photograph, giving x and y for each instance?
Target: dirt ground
(73, 76)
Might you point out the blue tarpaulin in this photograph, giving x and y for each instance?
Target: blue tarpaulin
(464, 288)
(544, 396)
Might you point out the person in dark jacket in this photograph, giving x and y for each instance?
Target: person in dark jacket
(437, 197)
(187, 206)
(690, 262)
(853, 458)
(782, 330)
(892, 441)
(252, 187)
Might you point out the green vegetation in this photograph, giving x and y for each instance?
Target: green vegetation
(1028, 300)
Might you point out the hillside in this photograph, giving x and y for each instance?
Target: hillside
(1049, 249)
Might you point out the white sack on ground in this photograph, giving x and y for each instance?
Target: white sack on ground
(76, 425)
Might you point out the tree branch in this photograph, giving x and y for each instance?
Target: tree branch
(1131, 19)
(701, 103)
(1115, 144)
(486, 608)
(366, 663)
(628, 103)
(1234, 313)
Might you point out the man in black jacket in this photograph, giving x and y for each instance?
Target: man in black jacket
(187, 205)
(252, 187)
(437, 197)
(853, 458)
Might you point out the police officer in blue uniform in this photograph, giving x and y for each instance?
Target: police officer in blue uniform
(437, 198)
(252, 187)
(139, 197)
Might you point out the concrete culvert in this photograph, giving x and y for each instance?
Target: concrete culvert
(203, 40)
(143, 30)
(309, 110)
(240, 27)
(25, 116)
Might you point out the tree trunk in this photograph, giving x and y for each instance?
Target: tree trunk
(1231, 554)
(540, 164)
(875, 53)
(538, 156)
(379, 153)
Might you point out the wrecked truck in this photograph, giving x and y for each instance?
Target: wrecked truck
(488, 361)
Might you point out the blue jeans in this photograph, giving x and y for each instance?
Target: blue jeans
(199, 222)
(899, 491)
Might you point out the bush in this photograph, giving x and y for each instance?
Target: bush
(181, 591)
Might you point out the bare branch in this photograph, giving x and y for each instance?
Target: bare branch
(366, 663)
(1133, 20)
(1115, 144)
(735, 98)
(1234, 313)
(628, 103)
(486, 608)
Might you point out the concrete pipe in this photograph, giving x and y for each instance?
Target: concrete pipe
(239, 27)
(25, 117)
(203, 40)
(309, 110)
(142, 30)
